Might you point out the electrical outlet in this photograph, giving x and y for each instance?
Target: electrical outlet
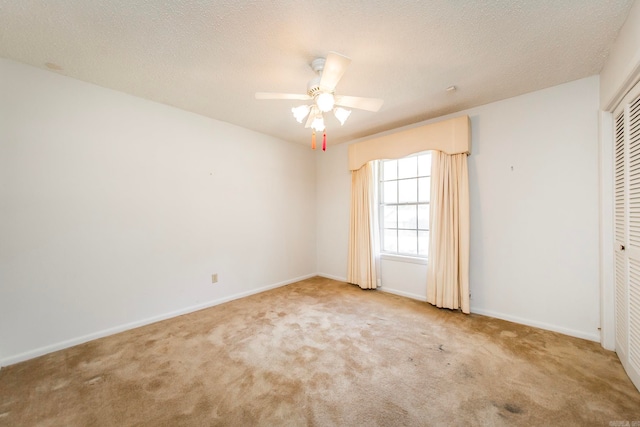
(214, 278)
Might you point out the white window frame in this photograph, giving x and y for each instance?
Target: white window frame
(400, 256)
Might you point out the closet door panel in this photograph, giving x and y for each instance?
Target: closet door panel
(627, 232)
(620, 214)
(633, 284)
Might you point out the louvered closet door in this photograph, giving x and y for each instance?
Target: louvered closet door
(627, 232)
(620, 215)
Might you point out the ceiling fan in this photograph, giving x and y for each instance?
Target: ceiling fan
(321, 90)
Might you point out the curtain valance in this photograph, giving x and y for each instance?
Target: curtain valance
(452, 136)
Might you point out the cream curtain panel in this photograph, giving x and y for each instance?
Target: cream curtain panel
(362, 231)
(448, 264)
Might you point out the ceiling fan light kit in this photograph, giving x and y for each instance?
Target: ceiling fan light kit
(342, 114)
(325, 102)
(318, 124)
(321, 90)
(300, 112)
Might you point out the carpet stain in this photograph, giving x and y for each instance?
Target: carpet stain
(465, 372)
(154, 385)
(514, 409)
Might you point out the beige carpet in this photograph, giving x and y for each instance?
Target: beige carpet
(322, 353)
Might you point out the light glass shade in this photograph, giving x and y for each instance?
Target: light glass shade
(318, 124)
(300, 112)
(325, 102)
(341, 114)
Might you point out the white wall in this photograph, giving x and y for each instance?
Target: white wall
(407, 278)
(334, 201)
(534, 229)
(115, 211)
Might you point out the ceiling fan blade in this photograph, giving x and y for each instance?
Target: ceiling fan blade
(269, 95)
(368, 104)
(334, 67)
(312, 115)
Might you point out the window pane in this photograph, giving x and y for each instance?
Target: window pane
(424, 189)
(390, 217)
(407, 242)
(423, 243)
(423, 217)
(408, 191)
(424, 165)
(408, 167)
(407, 216)
(389, 170)
(404, 204)
(390, 192)
(390, 241)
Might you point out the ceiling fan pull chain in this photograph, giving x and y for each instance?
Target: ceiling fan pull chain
(313, 140)
(324, 142)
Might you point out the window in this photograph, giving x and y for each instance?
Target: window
(404, 186)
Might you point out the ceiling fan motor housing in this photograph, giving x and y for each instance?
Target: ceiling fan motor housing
(313, 87)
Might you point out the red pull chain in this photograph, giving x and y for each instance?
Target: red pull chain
(324, 142)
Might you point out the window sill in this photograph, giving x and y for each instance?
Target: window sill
(404, 258)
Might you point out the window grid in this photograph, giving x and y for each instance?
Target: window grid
(407, 236)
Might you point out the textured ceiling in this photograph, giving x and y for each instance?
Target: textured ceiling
(210, 57)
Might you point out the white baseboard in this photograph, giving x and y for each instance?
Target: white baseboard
(329, 276)
(403, 293)
(127, 326)
(515, 319)
(536, 324)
